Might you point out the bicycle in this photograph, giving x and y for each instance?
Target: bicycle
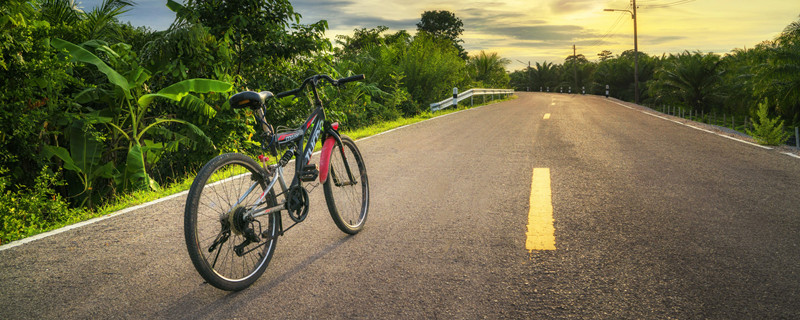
(232, 218)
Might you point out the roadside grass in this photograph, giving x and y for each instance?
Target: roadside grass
(141, 197)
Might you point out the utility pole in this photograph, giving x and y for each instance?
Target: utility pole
(530, 82)
(635, 57)
(635, 50)
(575, 65)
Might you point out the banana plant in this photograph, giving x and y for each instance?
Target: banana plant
(84, 157)
(132, 122)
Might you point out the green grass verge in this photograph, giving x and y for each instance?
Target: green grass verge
(140, 197)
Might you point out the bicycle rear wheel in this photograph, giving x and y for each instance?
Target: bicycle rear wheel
(348, 200)
(219, 237)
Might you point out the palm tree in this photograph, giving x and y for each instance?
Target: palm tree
(489, 69)
(546, 75)
(691, 78)
(100, 23)
(780, 76)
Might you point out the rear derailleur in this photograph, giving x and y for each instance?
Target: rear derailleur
(235, 222)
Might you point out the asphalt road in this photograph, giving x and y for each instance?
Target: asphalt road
(652, 220)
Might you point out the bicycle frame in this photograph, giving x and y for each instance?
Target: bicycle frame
(315, 127)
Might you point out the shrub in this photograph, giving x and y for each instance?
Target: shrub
(26, 211)
(768, 131)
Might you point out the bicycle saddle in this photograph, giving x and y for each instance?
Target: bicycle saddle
(249, 99)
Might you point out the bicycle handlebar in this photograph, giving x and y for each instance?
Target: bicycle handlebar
(316, 78)
(357, 77)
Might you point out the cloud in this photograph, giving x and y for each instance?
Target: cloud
(656, 40)
(569, 6)
(482, 17)
(339, 16)
(539, 32)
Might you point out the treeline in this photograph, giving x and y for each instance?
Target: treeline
(93, 109)
(733, 84)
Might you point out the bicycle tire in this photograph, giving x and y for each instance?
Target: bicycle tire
(347, 204)
(211, 205)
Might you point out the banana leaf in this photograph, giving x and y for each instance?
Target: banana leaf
(181, 92)
(135, 171)
(80, 54)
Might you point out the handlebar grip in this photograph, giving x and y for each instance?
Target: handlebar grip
(357, 77)
(288, 93)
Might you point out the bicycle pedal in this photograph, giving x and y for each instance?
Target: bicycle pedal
(310, 172)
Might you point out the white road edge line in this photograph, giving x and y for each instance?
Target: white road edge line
(701, 129)
(172, 196)
(791, 154)
(88, 222)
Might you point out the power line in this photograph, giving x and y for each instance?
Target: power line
(611, 32)
(616, 25)
(667, 5)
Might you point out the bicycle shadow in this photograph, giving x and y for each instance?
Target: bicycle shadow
(205, 301)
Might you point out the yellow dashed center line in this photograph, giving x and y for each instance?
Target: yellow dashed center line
(546, 116)
(541, 232)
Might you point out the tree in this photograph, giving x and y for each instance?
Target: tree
(261, 32)
(605, 55)
(546, 75)
(362, 39)
(779, 77)
(432, 68)
(691, 78)
(444, 24)
(737, 86)
(577, 65)
(489, 69)
(519, 80)
(73, 23)
(617, 73)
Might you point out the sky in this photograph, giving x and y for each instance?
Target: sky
(546, 30)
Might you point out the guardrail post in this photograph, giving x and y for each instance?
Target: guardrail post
(455, 97)
(797, 137)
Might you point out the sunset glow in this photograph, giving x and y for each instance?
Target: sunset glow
(542, 30)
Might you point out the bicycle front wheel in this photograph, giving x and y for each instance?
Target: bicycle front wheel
(228, 249)
(347, 187)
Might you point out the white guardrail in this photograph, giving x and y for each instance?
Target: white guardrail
(469, 94)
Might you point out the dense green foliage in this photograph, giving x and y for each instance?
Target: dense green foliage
(732, 84)
(93, 109)
(488, 69)
(28, 211)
